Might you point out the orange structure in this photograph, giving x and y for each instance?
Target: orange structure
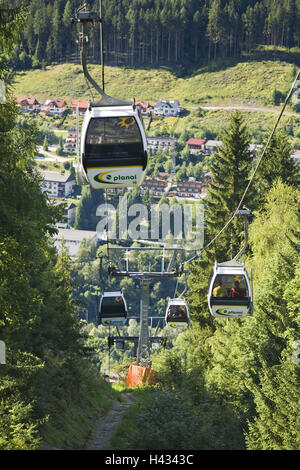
(138, 375)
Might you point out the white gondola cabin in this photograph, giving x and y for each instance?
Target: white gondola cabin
(229, 292)
(177, 313)
(112, 309)
(113, 145)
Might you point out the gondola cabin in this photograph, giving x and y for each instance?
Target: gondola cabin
(113, 147)
(229, 292)
(177, 313)
(112, 309)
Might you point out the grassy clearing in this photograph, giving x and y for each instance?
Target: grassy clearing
(211, 124)
(61, 133)
(250, 83)
(42, 165)
(167, 420)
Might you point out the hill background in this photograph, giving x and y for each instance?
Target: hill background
(181, 33)
(252, 86)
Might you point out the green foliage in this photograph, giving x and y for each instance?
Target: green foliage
(230, 169)
(86, 218)
(45, 144)
(168, 420)
(277, 163)
(48, 388)
(222, 380)
(277, 97)
(277, 401)
(251, 356)
(18, 430)
(168, 31)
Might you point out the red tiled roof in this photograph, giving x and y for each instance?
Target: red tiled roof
(28, 101)
(143, 104)
(81, 104)
(58, 103)
(32, 100)
(196, 141)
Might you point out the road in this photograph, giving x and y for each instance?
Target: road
(252, 109)
(49, 157)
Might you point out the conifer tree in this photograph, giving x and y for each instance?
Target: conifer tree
(38, 320)
(160, 31)
(251, 364)
(229, 172)
(86, 218)
(45, 144)
(277, 163)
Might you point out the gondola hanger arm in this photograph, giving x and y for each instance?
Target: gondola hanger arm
(84, 18)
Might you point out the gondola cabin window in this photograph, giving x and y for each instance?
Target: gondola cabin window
(230, 286)
(112, 305)
(113, 137)
(177, 313)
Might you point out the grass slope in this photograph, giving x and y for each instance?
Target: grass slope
(250, 83)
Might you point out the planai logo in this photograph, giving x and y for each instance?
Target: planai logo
(124, 178)
(224, 311)
(221, 311)
(106, 177)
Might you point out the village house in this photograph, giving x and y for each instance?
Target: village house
(163, 175)
(155, 143)
(72, 239)
(68, 217)
(82, 107)
(28, 104)
(167, 108)
(158, 186)
(57, 184)
(190, 189)
(54, 107)
(144, 106)
(196, 145)
(115, 190)
(212, 145)
(296, 155)
(70, 142)
(254, 149)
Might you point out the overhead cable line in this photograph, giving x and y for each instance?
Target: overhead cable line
(254, 173)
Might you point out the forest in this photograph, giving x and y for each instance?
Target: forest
(223, 384)
(184, 33)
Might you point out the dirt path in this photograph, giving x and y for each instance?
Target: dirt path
(106, 425)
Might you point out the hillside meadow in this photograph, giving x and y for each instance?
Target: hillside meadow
(244, 84)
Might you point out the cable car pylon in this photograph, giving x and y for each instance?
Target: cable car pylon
(145, 278)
